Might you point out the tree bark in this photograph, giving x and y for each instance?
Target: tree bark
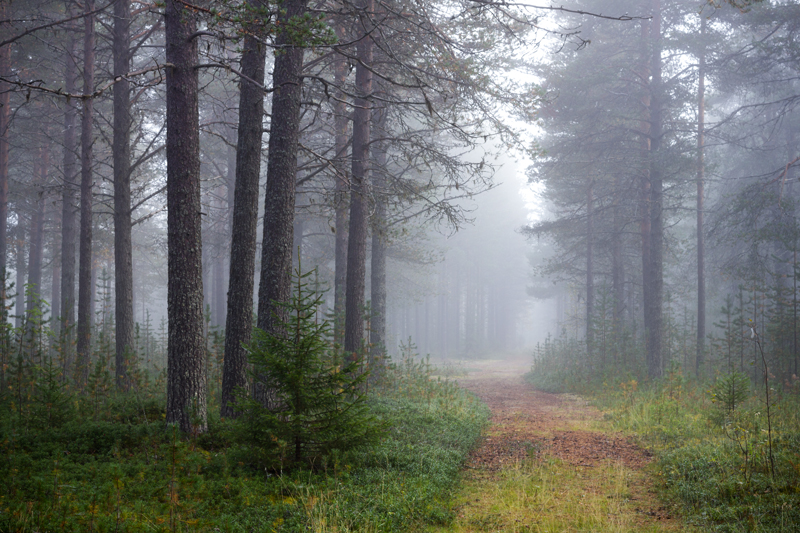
(653, 307)
(123, 251)
(5, 118)
(19, 286)
(377, 333)
(33, 288)
(341, 186)
(68, 208)
(589, 269)
(186, 377)
(617, 264)
(276, 257)
(239, 319)
(85, 267)
(357, 234)
(701, 278)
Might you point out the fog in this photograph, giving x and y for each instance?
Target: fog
(578, 183)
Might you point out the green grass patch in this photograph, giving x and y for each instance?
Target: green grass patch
(714, 460)
(128, 472)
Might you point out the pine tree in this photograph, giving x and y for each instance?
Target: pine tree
(316, 402)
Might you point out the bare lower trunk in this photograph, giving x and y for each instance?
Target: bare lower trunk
(123, 251)
(33, 317)
(340, 192)
(276, 258)
(701, 278)
(357, 234)
(19, 285)
(186, 377)
(589, 270)
(239, 319)
(655, 363)
(85, 268)
(68, 212)
(377, 332)
(5, 118)
(617, 264)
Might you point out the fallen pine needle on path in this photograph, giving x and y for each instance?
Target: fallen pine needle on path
(546, 464)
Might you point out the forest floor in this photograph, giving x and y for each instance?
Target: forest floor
(546, 464)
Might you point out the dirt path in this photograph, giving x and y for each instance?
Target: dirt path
(554, 446)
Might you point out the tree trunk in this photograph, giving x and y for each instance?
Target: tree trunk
(377, 333)
(239, 319)
(55, 292)
(340, 192)
(5, 118)
(85, 268)
(276, 257)
(123, 252)
(617, 264)
(653, 307)
(33, 288)
(701, 278)
(357, 234)
(19, 286)
(589, 269)
(645, 221)
(186, 377)
(68, 208)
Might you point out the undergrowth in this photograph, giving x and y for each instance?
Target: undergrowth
(711, 442)
(121, 469)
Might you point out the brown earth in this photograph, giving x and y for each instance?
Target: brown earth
(529, 423)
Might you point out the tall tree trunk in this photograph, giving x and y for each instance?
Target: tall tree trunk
(186, 377)
(589, 269)
(5, 118)
(276, 257)
(701, 277)
(645, 221)
(653, 307)
(239, 319)
(34, 286)
(617, 263)
(340, 198)
(68, 206)
(123, 252)
(357, 234)
(19, 285)
(55, 292)
(377, 333)
(85, 288)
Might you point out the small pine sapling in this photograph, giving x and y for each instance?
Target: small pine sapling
(316, 403)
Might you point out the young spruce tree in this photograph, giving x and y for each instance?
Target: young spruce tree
(316, 403)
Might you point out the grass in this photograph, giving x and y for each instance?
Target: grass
(715, 462)
(126, 471)
(550, 496)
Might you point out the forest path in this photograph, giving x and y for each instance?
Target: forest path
(546, 464)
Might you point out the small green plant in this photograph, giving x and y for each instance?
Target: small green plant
(730, 391)
(315, 403)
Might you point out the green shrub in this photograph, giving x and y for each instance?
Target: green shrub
(731, 390)
(315, 403)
